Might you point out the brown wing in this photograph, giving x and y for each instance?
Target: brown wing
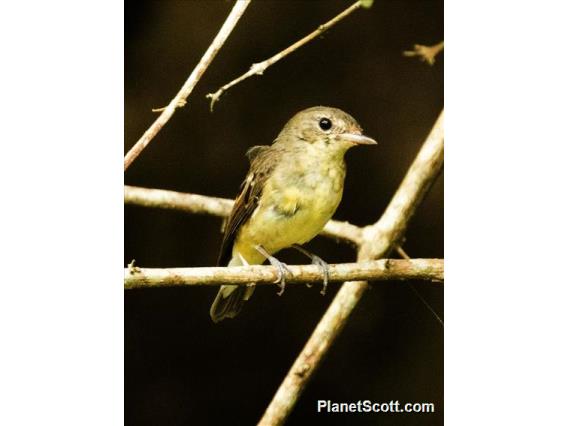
(247, 200)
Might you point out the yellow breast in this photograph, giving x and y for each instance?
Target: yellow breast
(293, 209)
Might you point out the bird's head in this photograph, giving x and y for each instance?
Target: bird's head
(325, 129)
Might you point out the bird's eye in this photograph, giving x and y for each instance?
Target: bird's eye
(325, 123)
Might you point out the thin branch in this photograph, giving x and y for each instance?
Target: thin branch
(379, 239)
(193, 203)
(404, 255)
(376, 270)
(172, 200)
(401, 252)
(260, 67)
(343, 231)
(181, 97)
(425, 53)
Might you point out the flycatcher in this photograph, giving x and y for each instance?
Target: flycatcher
(291, 191)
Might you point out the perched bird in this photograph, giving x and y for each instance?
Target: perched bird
(291, 191)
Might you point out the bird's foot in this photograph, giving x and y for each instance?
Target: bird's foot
(281, 267)
(316, 260)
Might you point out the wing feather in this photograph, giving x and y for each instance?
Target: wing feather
(248, 198)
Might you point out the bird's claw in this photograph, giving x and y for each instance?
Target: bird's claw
(316, 260)
(282, 269)
(280, 266)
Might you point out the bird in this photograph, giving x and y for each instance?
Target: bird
(291, 191)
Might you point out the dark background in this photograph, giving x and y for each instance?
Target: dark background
(182, 369)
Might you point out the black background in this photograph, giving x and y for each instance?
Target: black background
(182, 369)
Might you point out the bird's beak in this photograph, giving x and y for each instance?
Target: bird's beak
(358, 139)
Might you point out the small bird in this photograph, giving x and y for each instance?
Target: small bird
(291, 191)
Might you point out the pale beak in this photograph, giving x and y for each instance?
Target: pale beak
(357, 139)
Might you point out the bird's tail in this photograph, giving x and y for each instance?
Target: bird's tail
(230, 298)
(228, 303)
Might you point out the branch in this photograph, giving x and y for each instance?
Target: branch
(386, 269)
(426, 53)
(382, 236)
(181, 98)
(378, 240)
(260, 67)
(193, 203)
(172, 200)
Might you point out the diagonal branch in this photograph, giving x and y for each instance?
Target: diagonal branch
(260, 67)
(379, 239)
(193, 203)
(382, 236)
(376, 270)
(181, 97)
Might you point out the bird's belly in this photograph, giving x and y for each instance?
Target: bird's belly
(291, 217)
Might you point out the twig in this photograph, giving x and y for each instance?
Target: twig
(426, 53)
(376, 270)
(425, 303)
(181, 97)
(172, 200)
(379, 239)
(404, 255)
(401, 252)
(193, 203)
(260, 67)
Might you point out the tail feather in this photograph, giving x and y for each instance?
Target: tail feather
(228, 303)
(230, 298)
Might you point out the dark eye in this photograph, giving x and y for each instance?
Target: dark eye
(325, 123)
